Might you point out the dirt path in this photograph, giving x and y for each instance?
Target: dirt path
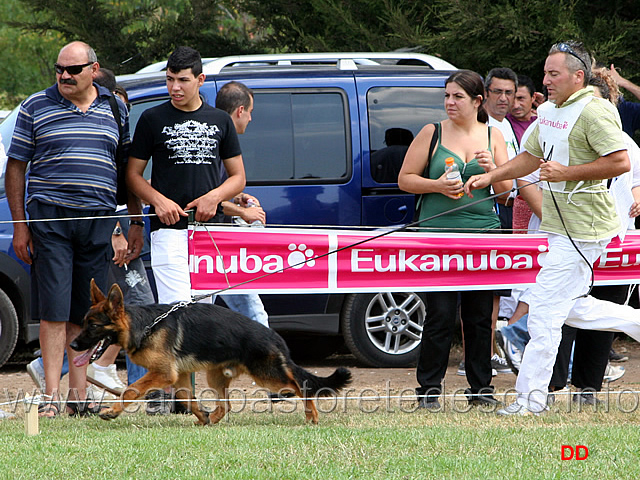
(384, 381)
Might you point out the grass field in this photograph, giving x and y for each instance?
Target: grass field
(388, 443)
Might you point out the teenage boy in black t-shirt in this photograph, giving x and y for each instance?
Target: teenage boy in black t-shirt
(188, 140)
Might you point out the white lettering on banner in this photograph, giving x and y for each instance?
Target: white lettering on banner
(400, 262)
(236, 263)
(362, 260)
(608, 260)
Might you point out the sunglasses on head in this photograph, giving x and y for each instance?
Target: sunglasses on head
(563, 47)
(72, 69)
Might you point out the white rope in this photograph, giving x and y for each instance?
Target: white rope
(460, 395)
(66, 219)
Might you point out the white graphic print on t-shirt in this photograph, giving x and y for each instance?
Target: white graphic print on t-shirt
(192, 142)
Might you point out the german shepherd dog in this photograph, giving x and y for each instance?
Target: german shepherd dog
(196, 337)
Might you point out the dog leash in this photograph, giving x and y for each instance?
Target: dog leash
(197, 298)
(159, 318)
(360, 242)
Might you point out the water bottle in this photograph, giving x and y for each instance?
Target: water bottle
(453, 172)
(251, 203)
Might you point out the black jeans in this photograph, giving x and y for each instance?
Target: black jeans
(442, 309)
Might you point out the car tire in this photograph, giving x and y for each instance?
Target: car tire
(384, 329)
(8, 328)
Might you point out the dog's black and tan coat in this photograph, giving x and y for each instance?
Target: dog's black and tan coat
(196, 337)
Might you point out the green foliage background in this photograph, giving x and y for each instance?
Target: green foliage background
(475, 34)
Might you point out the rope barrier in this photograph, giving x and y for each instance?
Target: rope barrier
(459, 395)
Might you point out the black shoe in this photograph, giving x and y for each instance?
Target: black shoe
(159, 403)
(431, 404)
(481, 398)
(585, 398)
(279, 397)
(616, 357)
(179, 408)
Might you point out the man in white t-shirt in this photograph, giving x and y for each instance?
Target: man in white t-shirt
(501, 85)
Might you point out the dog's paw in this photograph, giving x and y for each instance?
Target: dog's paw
(109, 414)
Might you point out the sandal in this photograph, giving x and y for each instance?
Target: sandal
(48, 410)
(82, 409)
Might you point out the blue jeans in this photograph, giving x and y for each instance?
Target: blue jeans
(136, 290)
(517, 333)
(249, 305)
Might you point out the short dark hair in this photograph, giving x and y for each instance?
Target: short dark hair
(503, 73)
(233, 95)
(471, 83)
(106, 78)
(183, 58)
(524, 81)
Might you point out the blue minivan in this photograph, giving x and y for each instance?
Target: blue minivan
(327, 139)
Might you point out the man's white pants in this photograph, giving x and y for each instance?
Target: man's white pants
(170, 264)
(553, 302)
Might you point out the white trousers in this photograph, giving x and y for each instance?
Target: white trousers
(170, 264)
(553, 302)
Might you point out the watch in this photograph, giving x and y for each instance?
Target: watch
(118, 230)
(139, 223)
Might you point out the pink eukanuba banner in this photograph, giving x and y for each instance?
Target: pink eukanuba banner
(300, 260)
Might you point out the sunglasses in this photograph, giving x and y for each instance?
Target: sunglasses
(563, 47)
(72, 69)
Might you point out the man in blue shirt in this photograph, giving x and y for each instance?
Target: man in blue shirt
(629, 111)
(67, 135)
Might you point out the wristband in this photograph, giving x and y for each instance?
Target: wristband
(139, 223)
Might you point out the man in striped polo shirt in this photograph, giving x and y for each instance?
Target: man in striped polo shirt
(576, 144)
(67, 136)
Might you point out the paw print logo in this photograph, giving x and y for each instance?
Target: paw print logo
(300, 253)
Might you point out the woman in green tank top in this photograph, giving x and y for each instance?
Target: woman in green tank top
(475, 148)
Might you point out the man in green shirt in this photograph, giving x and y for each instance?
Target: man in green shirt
(577, 144)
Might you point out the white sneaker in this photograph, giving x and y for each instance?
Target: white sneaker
(499, 364)
(37, 374)
(106, 378)
(512, 355)
(518, 410)
(96, 394)
(613, 373)
(4, 414)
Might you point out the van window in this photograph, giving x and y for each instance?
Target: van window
(396, 115)
(134, 115)
(297, 137)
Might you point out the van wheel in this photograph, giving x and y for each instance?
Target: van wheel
(8, 328)
(384, 329)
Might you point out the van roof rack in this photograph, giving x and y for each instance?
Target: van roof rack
(342, 60)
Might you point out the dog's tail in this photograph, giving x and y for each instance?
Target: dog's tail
(312, 385)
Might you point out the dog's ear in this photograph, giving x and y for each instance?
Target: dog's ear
(96, 295)
(115, 298)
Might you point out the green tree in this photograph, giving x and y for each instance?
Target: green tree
(26, 56)
(474, 34)
(128, 34)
